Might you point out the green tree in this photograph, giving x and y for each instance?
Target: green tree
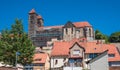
(16, 40)
(100, 36)
(115, 37)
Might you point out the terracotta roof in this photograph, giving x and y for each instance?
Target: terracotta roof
(62, 48)
(54, 26)
(117, 55)
(40, 57)
(77, 24)
(81, 24)
(32, 11)
(39, 17)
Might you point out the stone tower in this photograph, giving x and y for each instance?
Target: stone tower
(39, 21)
(35, 21)
(68, 31)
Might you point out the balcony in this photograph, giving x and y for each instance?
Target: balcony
(75, 64)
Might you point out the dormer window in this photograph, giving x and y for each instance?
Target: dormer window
(38, 59)
(76, 52)
(111, 55)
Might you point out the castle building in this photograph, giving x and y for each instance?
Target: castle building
(41, 34)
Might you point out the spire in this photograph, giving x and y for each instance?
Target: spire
(32, 11)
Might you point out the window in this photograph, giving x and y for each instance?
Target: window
(66, 31)
(111, 55)
(31, 21)
(56, 61)
(93, 55)
(72, 30)
(37, 59)
(76, 52)
(31, 17)
(89, 32)
(64, 59)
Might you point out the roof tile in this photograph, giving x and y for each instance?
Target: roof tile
(41, 56)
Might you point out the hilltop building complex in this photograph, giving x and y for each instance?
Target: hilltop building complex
(70, 47)
(40, 34)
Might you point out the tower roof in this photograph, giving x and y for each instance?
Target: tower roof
(39, 17)
(32, 11)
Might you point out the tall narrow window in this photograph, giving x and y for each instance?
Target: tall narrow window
(56, 61)
(89, 32)
(66, 31)
(72, 30)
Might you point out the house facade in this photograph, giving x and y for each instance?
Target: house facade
(77, 53)
(40, 62)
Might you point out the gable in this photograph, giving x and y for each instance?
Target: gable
(76, 45)
(69, 25)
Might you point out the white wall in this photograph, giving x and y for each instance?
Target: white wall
(60, 62)
(99, 63)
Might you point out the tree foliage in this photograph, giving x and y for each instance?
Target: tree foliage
(101, 36)
(115, 37)
(16, 40)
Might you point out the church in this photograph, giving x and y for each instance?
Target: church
(41, 34)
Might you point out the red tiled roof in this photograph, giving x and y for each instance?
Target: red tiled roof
(62, 48)
(39, 17)
(54, 26)
(41, 56)
(81, 24)
(116, 53)
(77, 24)
(32, 11)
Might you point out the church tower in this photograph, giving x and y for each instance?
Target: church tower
(35, 22)
(39, 21)
(32, 22)
(68, 31)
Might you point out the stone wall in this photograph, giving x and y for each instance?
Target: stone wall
(7, 68)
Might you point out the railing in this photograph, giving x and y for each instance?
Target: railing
(77, 64)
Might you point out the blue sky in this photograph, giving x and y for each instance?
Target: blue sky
(101, 14)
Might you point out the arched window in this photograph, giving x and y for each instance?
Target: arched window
(89, 32)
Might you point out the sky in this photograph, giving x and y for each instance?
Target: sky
(103, 15)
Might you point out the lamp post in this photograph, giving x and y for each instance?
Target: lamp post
(16, 60)
(17, 53)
